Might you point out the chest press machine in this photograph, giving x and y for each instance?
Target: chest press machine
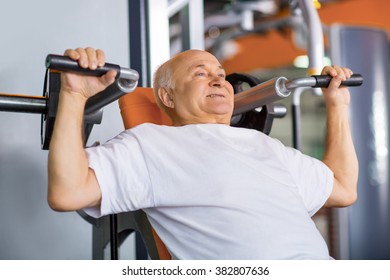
(254, 108)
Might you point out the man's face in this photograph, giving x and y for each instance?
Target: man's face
(201, 94)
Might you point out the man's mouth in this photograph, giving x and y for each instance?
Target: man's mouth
(214, 95)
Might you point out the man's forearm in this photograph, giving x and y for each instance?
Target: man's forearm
(67, 163)
(340, 155)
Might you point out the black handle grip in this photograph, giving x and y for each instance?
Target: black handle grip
(323, 81)
(64, 63)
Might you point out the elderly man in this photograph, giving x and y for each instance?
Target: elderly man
(211, 191)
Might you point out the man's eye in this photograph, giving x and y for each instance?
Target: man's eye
(221, 75)
(201, 74)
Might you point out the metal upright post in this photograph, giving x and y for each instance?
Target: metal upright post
(296, 117)
(139, 60)
(315, 49)
(139, 43)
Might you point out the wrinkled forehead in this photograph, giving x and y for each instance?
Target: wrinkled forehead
(189, 60)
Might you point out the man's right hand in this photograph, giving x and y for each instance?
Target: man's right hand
(84, 85)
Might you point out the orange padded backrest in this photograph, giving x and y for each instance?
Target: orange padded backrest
(140, 107)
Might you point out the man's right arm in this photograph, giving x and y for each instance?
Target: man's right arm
(72, 185)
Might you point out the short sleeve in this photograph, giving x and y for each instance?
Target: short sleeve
(312, 177)
(122, 174)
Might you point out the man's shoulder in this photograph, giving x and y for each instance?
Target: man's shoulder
(149, 130)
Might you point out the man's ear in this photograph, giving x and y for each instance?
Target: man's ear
(166, 97)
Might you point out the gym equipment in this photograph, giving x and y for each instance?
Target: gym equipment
(257, 96)
(280, 87)
(126, 81)
(257, 113)
(263, 95)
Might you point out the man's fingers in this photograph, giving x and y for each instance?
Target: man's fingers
(347, 72)
(336, 82)
(101, 58)
(83, 57)
(87, 57)
(337, 70)
(73, 54)
(92, 59)
(338, 75)
(329, 70)
(109, 77)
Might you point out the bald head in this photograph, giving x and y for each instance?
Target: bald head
(164, 75)
(191, 88)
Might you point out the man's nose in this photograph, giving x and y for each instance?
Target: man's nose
(217, 81)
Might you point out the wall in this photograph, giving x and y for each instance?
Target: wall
(29, 30)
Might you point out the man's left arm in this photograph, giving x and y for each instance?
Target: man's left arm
(340, 155)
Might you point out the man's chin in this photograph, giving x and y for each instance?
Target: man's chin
(221, 109)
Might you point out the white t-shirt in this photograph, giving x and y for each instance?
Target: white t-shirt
(215, 192)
